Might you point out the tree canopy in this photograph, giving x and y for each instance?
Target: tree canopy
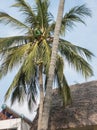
(33, 48)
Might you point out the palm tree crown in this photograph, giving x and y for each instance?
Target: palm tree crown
(33, 49)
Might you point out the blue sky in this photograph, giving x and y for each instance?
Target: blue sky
(85, 36)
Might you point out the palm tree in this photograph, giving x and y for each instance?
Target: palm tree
(48, 97)
(32, 52)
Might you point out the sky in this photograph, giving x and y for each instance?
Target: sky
(84, 36)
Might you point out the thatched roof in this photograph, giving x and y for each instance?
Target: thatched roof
(82, 111)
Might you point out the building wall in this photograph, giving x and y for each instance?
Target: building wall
(17, 123)
(10, 123)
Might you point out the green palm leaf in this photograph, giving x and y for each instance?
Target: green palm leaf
(46, 56)
(26, 10)
(22, 92)
(24, 79)
(7, 19)
(80, 50)
(75, 15)
(64, 89)
(67, 99)
(13, 42)
(72, 55)
(14, 57)
(43, 16)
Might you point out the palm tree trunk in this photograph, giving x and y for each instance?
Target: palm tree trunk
(41, 97)
(48, 97)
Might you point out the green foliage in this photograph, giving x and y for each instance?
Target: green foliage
(76, 15)
(7, 19)
(76, 57)
(35, 47)
(64, 89)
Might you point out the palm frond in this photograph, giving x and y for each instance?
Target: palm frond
(43, 16)
(13, 57)
(66, 94)
(24, 6)
(60, 67)
(80, 50)
(75, 15)
(52, 27)
(25, 92)
(46, 56)
(22, 86)
(63, 86)
(26, 9)
(14, 41)
(26, 55)
(17, 94)
(7, 19)
(14, 84)
(32, 93)
(77, 61)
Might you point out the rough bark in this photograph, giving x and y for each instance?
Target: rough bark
(48, 97)
(41, 97)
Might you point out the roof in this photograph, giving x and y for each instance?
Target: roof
(82, 111)
(8, 113)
